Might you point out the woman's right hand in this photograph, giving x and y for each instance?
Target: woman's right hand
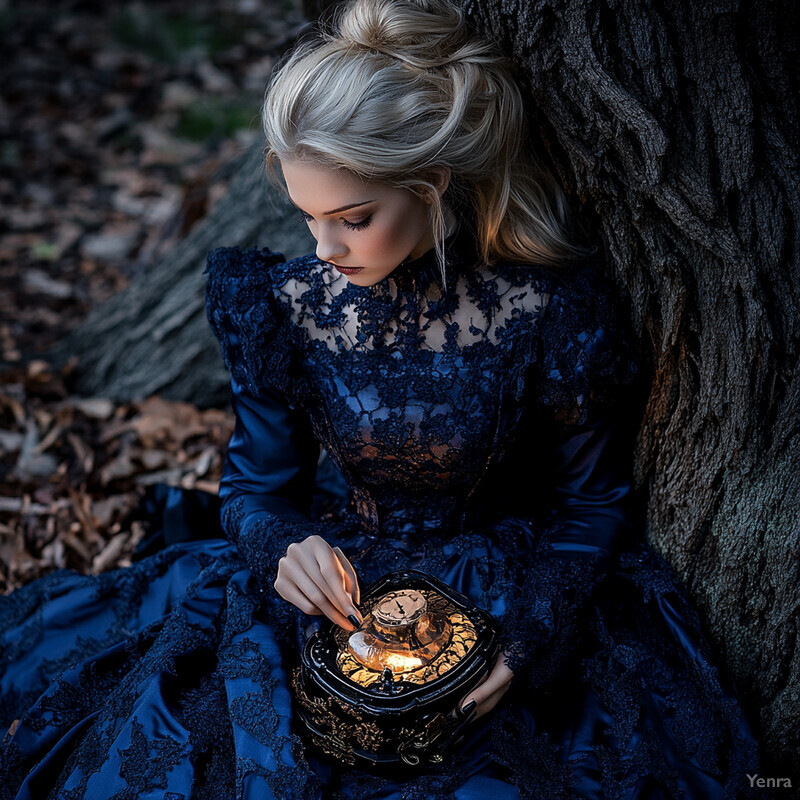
(319, 579)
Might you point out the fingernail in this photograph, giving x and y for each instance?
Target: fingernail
(353, 619)
(469, 707)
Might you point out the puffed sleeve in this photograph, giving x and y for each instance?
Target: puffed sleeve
(268, 476)
(579, 368)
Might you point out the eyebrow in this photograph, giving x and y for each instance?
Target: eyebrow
(336, 210)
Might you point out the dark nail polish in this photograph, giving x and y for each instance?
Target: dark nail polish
(469, 708)
(353, 619)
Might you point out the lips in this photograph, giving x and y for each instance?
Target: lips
(348, 270)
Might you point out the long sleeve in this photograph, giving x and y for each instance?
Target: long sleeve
(540, 628)
(579, 368)
(267, 480)
(268, 477)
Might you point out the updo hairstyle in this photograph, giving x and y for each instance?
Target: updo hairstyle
(394, 88)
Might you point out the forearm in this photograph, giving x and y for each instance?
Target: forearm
(263, 527)
(541, 625)
(554, 579)
(268, 481)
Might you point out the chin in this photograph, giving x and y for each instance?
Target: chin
(361, 280)
(369, 276)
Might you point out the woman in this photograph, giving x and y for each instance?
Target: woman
(463, 365)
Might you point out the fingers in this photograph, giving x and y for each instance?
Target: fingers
(292, 594)
(312, 577)
(488, 693)
(331, 574)
(490, 702)
(312, 597)
(350, 580)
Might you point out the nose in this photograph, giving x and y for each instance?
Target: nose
(329, 246)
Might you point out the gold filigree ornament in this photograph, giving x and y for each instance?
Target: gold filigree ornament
(385, 697)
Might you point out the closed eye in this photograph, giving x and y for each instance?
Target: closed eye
(351, 226)
(357, 226)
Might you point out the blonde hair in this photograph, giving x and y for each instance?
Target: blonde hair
(398, 88)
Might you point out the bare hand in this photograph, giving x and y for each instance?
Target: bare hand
(319, 579)
(488, 693)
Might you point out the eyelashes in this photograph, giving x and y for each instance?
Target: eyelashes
(351, 226)
(357, 226)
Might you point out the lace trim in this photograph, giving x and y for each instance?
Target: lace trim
(546, 599)
(263, 541)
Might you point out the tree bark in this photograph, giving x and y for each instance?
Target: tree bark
(674, 125)
(153, 337)
(674, 128)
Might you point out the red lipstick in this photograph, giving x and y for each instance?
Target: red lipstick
(348, 270)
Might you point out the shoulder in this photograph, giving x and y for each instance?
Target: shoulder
(587, 353)
(520, 300)
(249, 306)
(517, 295)
(580, 349)
(232, 271)
(258, 284)
(575, 277)
(575, 294)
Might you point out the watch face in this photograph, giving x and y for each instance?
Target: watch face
(402, 607)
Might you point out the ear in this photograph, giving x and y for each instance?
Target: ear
(440, 178)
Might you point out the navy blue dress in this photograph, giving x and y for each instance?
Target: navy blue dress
(479, 420)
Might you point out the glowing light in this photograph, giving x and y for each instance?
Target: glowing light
(401, 663)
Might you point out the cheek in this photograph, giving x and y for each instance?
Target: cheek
(407, 227)
(371, 242)
(385, 239)
(417, 221)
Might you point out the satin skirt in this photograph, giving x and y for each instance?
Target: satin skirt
(168, 679)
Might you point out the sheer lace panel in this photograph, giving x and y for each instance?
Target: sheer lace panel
(410, 378)
(343, 316)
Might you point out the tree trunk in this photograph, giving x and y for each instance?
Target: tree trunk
(673, 127)
(153, 337)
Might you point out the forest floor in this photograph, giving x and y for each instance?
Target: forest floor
(116, 123)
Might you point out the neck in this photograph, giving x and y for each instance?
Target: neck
(428, 243)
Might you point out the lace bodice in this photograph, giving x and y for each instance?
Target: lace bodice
(453, 405)
(412, 389)
(409, 377)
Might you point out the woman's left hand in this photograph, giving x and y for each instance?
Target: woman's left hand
(488, 693)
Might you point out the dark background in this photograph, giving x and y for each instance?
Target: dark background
(120, 126)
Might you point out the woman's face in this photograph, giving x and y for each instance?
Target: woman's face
(363, 229)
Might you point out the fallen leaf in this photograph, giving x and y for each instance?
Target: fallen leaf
(10, 441)
(120, 467)
(153, 459)
(95, 407)
(53, 554)
(109, 509)
(83, 454)
(107, 558)
(78, 547)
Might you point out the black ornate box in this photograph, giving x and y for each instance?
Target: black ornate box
(386, 695)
